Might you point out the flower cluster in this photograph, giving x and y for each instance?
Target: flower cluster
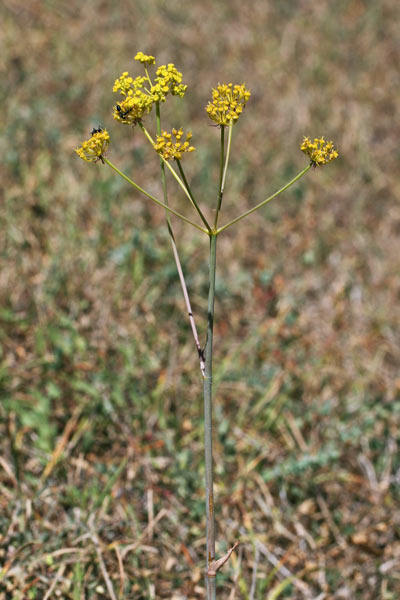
(145, 59)
(173, 150)
(319, 151)
(168, 80)
(130, 110)
(126, 85)
(138, 99)
(228, 101)
(95, 148)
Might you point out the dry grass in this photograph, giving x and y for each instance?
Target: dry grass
(101, 469)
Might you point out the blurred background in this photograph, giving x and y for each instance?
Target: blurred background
(101, 452)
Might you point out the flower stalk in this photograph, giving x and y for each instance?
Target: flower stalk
(178, 179)
(264, 202)
(140, 189)
(175, 251)
(208, 428)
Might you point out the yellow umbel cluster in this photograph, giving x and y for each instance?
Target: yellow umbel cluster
(173, 150)
(168, 81)
(95, 148)
(132, 108)
(126, 85)
(145, 59)
(319, 151)
(228, 102)
(141, 93)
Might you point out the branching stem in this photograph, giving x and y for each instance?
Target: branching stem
(285, 187)
(176, 255)
(136, 186)
(178, 179)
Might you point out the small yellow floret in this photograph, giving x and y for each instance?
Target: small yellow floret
(228, 102)
(173, 150)
(95, 148)
(145, 59)
(319, 151)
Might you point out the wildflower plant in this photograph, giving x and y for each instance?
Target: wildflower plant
(140, 96)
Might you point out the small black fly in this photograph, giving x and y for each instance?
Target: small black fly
(96, 130)
(122, 113)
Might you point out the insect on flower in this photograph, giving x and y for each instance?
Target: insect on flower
(98, 129)
(94, 149)
(122, 113)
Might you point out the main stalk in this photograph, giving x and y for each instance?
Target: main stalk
(210, 580)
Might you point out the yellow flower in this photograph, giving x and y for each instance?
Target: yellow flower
(145, 59)
(137, 99)
(173, 150)
(132, 108)
(319, 151)
(228, 101)
(126, 85)
(168, 80)
(95, 148)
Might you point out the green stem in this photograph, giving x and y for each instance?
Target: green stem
(223, 168)
(136, 186)
(176, 255)
(210, 518)
(228, 153)
(308, 167)
(148, 76)
(191, 196)
(162, 165)
(183, 184)
(174, 173)
(221, 175)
